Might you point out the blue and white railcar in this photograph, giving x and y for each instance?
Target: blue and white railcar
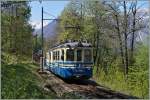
(71, 60)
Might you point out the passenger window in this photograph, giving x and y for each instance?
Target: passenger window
(49, 55)
(70, 55)
(87, 55)
(62, 55)
(79, 55)
(58, 55)
(54, 55)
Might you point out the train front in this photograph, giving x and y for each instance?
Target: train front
(79, 61)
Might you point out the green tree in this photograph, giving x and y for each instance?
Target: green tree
(16, 31)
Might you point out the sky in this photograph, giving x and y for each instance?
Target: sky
(54, 8)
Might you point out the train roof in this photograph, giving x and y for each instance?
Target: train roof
(73, 45)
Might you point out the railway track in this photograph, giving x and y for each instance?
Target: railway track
(86, 89)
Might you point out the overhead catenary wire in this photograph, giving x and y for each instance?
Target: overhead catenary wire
(49, 14)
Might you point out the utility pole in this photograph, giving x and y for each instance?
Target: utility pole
(42, 33)
(42, 62)
(36, 43)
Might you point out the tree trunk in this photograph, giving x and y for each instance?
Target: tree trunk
(133, 34)
(132, 43)
(125, 36)
(120, 41)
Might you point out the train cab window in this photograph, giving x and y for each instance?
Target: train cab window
(70, 55)
(87, 55)
(62, 55)
(79, 55)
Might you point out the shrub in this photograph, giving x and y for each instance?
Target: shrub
(135, 83)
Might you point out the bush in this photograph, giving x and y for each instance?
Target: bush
(9, 59)
(135, 83)
(138, 73)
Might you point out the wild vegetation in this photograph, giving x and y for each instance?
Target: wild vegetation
(19, 72)
(18, 80)
(16, 31)
(120, 61)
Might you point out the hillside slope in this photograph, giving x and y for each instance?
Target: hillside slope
(19, 81)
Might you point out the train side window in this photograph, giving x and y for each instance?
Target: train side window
(79, 55)
(62, 55)
(58, 55)
(70, 55)
(54, 55)
(87, 55)
(49, 55)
